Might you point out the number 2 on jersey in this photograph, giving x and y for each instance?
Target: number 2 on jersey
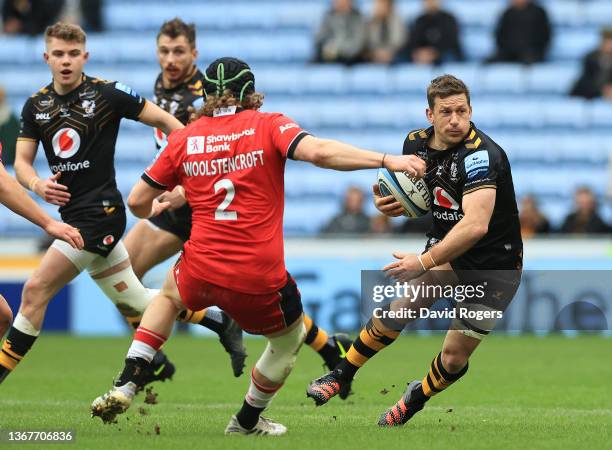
(230, 192)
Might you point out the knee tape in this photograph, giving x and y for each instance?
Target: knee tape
(280, 354)
(126, 292)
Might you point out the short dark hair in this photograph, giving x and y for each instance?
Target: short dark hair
(445, 86)
(66, 32)
(175, 28)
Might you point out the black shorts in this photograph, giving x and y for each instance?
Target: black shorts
(488, 288)
(177, 222)
(101, 228)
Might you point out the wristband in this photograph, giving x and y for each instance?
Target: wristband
(33, 182)
(382, 163)
(421, 261)
(433, 261)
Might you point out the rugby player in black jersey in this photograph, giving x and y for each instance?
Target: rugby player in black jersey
(475, 242)
(178, 90)
(77, 118)
(14, 197)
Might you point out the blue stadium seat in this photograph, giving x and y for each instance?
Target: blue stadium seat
(369, 78)
(573, 43)
(478, 43)
(600, 113)
(552, 78)
(566, 12)
(324, 79)
(409, 78)
(482, 13)
(503, 78)
(469, 73)
(564, 112)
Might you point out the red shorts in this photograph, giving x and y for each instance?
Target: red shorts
(256, 314)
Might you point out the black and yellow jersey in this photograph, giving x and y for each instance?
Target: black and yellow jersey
(179, 101)
(79, 132)
(476, 163)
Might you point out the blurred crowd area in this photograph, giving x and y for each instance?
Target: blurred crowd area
(523, 34)
(379, 33)
(584, 218)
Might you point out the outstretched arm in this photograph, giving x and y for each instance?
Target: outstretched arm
(337, 155)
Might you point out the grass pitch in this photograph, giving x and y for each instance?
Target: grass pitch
(520, 392)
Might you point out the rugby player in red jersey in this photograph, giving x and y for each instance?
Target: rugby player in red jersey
(14, 197)
(178, 90)
(231, 162)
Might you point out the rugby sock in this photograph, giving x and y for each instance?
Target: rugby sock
(319, 340)
(145, 344)
(18, 342)
(257, 399)
(436, 380)
(209, 318)
(373, 337)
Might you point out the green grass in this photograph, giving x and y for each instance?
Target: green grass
(520, 392)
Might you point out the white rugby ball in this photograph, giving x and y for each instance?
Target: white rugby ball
(410, 192)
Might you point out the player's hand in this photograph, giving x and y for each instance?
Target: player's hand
(159, 207)
(51, 191)
(66, 233)
(176, 198)
(386, 205)
(407, 268)
(411, 164)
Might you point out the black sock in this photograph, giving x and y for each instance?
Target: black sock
(346, 370)
(14, 348)
(248, 416)
(214, 320)
(329, 352)
(132, 371)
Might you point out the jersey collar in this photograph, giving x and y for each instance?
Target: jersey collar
(471, 139)
(73, 94)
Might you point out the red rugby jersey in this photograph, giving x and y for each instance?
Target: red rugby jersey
(232, 169)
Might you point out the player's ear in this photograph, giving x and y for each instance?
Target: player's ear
(46, 57)
(194, 53)
(429, 114)
(86, 56)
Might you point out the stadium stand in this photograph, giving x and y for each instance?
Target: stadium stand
(548, 136)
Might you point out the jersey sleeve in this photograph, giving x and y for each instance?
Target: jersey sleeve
(28, 130)
(162, 173)
(286, 135)
(408, 148)
(480, 170)
(125, 101)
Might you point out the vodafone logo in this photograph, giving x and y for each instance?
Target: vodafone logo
(443, 199)
(66, 143)
(108, 240)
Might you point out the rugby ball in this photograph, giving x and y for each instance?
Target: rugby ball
(410, 192)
